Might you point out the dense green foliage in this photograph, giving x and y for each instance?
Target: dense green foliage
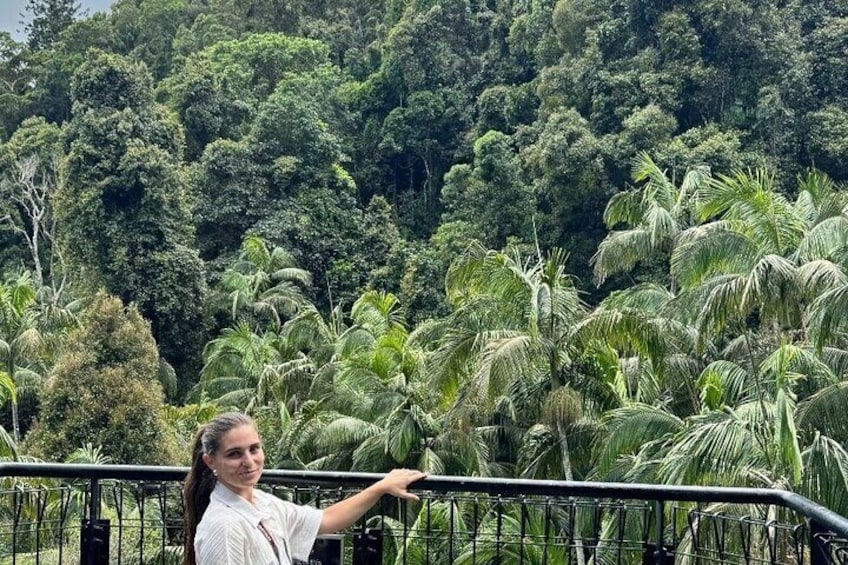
(103, 390)
(122, 210)
(549, 238)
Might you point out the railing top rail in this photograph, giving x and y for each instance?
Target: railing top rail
(484, 485)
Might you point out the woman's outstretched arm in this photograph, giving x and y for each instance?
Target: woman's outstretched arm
(346, 512)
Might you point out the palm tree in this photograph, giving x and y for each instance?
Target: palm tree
(753, 437)
(506, 361)
(370, 406)
(823, 257)
(656, 213)
(645, 352)
(758, 274)
(512, 319)
(20, 341)
(739, 439)
(383, 414)
(238, 368)
(266, 283)
(739, 265)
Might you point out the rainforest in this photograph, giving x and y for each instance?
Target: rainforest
(558, 239)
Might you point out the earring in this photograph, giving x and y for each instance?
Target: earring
(215, 472)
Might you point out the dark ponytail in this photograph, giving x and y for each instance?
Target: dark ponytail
(200, 481)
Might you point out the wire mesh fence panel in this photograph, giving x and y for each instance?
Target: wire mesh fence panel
(36, 525)
(146, 519)
(833, 548)
(717, 537)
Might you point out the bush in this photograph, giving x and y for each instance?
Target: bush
(104, 391)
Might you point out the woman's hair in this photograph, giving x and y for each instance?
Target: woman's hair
(200, 480)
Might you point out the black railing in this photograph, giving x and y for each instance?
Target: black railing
(98, 514)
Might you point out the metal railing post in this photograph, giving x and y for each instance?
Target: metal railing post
(818, 544)
(94, 546)
(661, 556)
(368, 547)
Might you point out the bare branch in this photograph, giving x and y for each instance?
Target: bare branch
(29, 189)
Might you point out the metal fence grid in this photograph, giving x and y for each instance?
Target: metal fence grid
(50, 521)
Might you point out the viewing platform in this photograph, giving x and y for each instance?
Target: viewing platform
(116, 514)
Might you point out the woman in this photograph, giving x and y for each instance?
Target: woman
(229, 522)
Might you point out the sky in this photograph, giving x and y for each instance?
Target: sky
(11, 10)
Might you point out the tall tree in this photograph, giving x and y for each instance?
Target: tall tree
(123, 211)
(567, 163)
(31, 159)
(491, 194)
(507, 349)
(217, 90)
(49, 19)
(15, 84)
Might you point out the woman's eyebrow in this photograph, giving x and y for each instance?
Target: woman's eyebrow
(242, 448)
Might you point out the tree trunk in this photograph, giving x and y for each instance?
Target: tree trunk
(16, 428)
(569, 476)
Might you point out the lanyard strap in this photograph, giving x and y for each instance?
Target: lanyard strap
(270, 539)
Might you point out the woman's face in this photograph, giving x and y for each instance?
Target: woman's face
(239, 460)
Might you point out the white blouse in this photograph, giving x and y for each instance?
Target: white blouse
(229, 534)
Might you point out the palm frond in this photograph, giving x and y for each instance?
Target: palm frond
(713, 449)
(27, 381)
(724, 383)
(786, 440)
(507, 356)
(750, 199)
(819, 197)
(712, 249)
(625, 430)
(292, 275)
(789, 363)
(254, 250)
(826, 473)
(819, 276)
(824, 412)
(626, 329)
(771, 287)
(406, 434)
(376, 311)
(657, 187)
(836, 360)
(824, 240)
(346, 431)
(627, 207)
(8, 389)
(827, 315)
(647, 297)
(620, 251)
(662, 226)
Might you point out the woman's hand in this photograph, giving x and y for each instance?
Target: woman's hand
(398, 480)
